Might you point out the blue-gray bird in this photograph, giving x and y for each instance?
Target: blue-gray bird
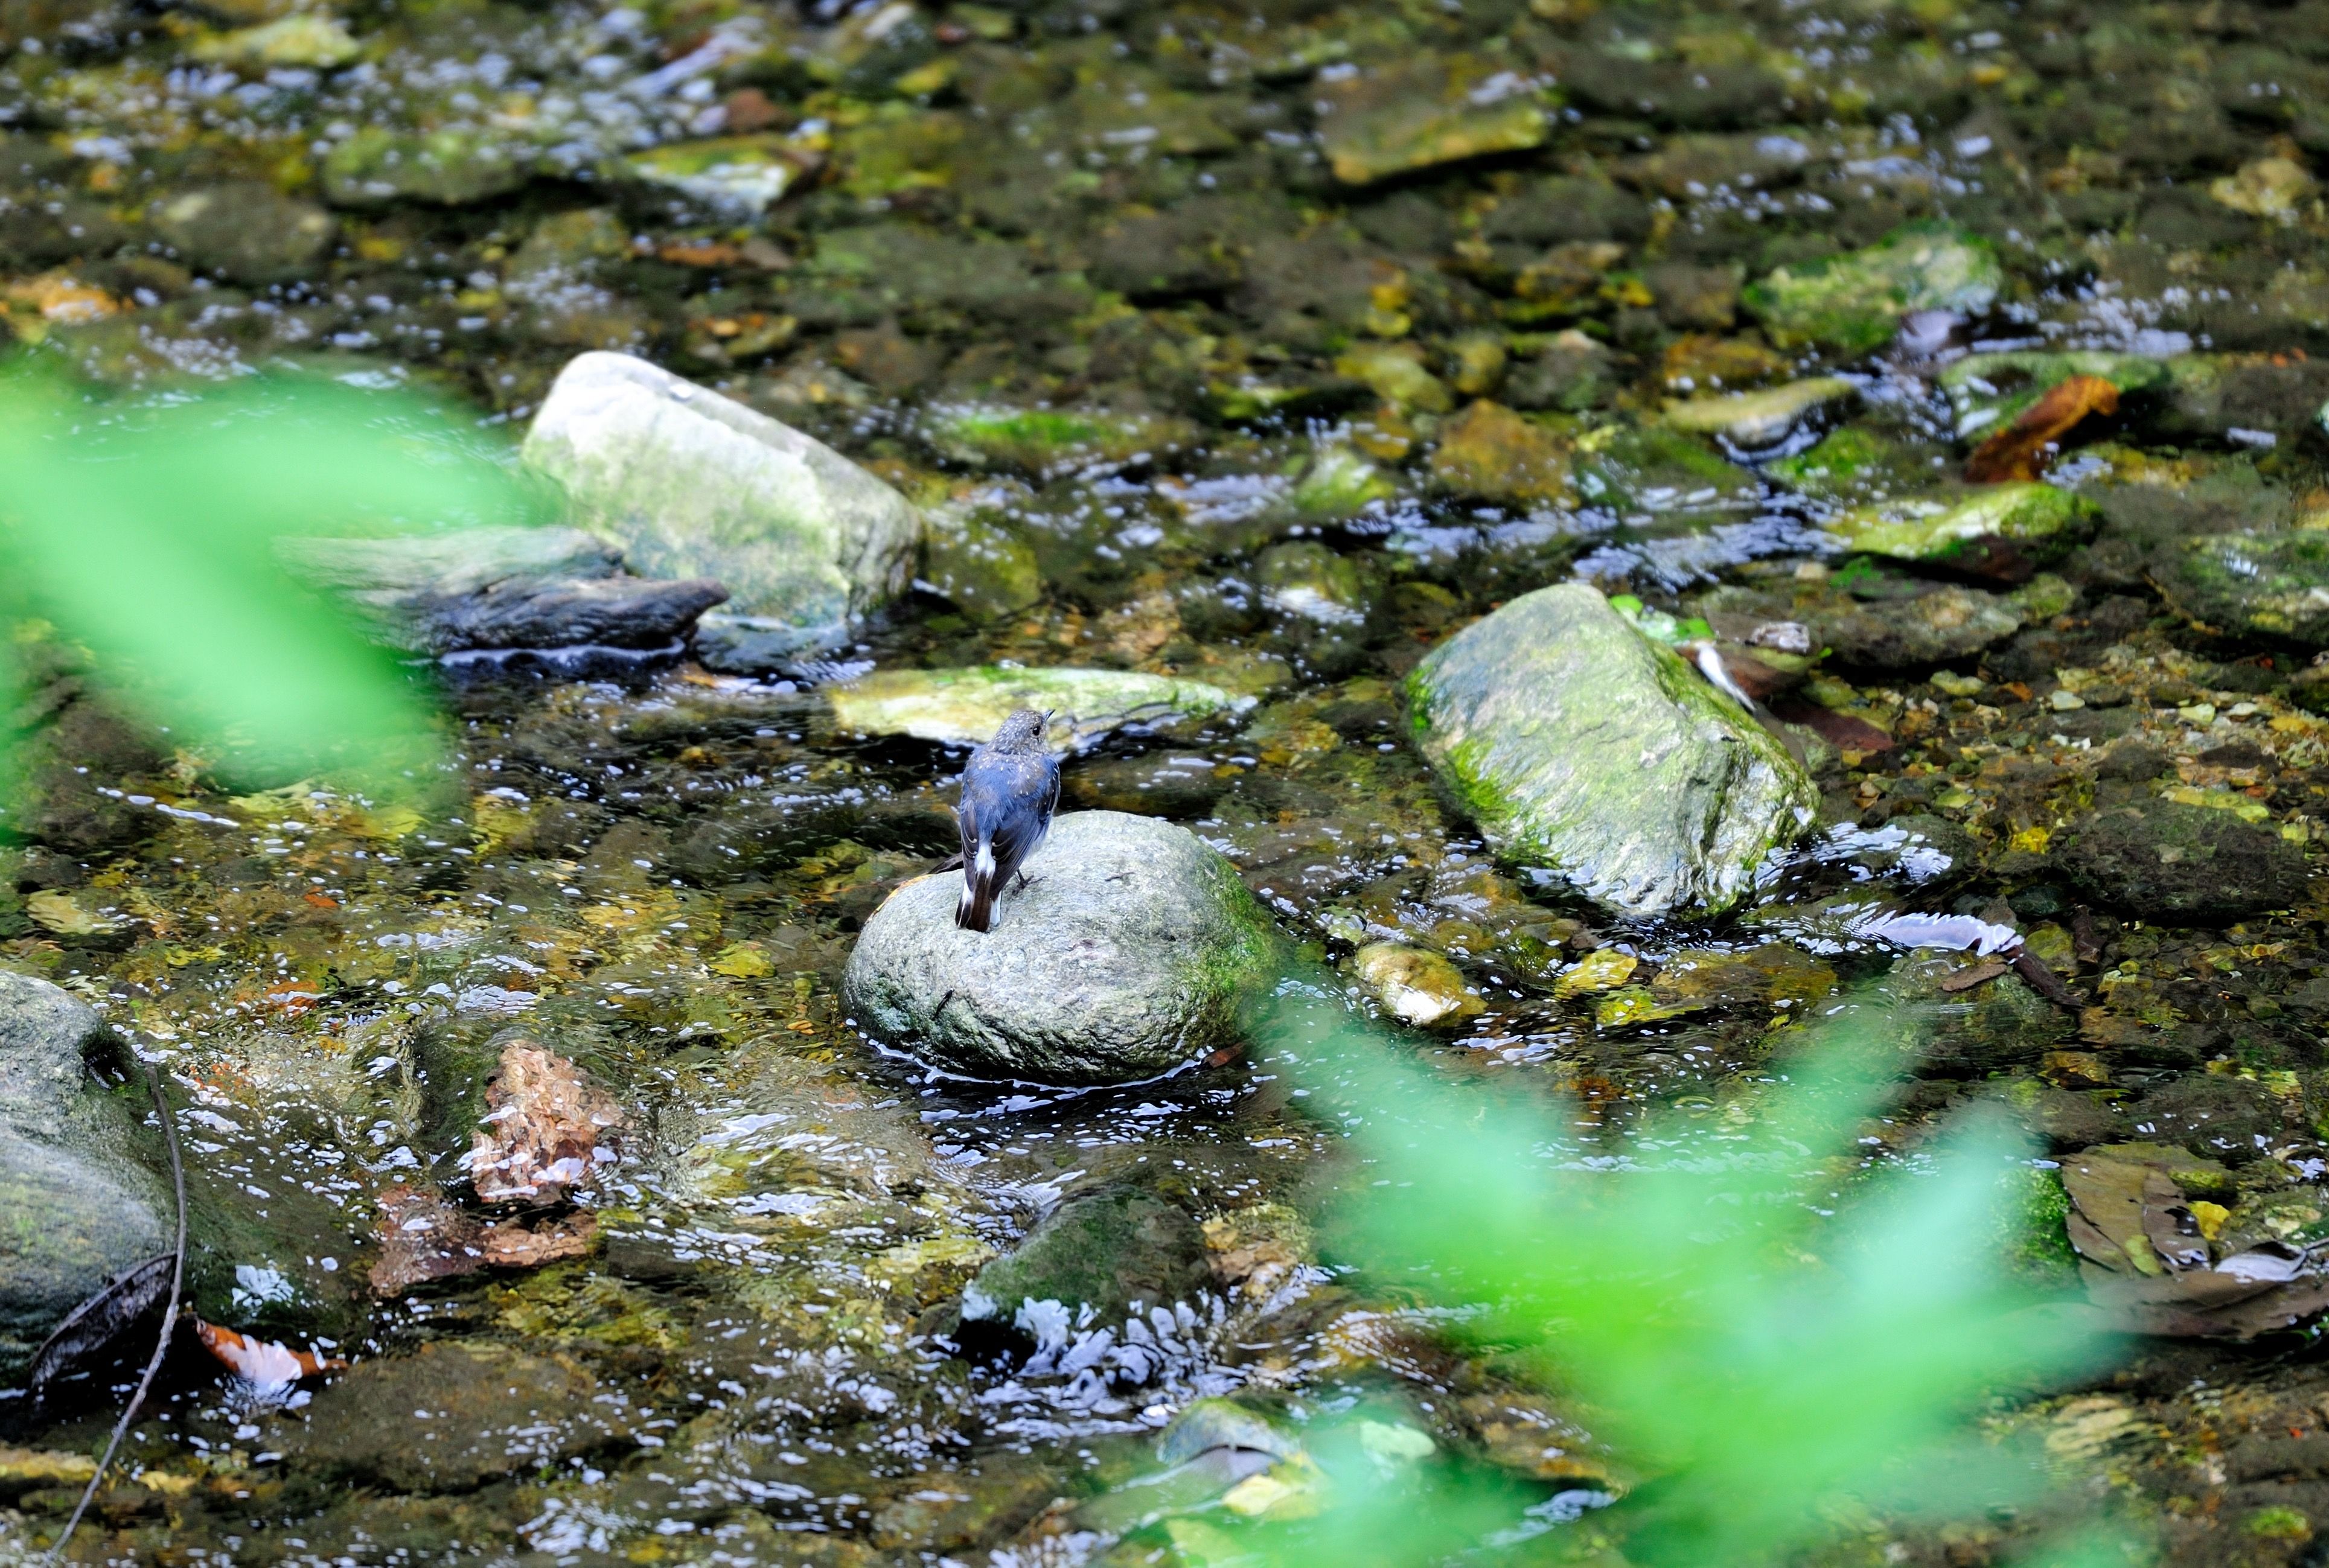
(1009, 791)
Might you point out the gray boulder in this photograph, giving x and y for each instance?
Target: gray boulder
(1128, 952)
(1114, 1253)
(75, 1208)
(692, 484)
(502, 587)
(1583, 747)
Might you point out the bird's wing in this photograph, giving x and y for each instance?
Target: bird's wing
(965, 816)
(1014, 838)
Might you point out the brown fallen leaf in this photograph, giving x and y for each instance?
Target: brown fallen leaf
(1974, 974)
(1840, 730)
(423, 1238)
(511, 1246)
(2023, 449)
(545, 1128)
(262, 1360)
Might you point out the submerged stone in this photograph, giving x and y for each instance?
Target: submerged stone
(245, 231)
(1492, 453)
(1762, 418)
(741, 175)
(1045, 441)
(1636, 468)
(76, 1209)
(1425, 111)
(964, 707)
(2181, 864)
(1128, 952)
(1853, 303)
(1097, 1259)
(1415, 985)
(306, 40)
(1310, 582)
(1991, 530)
(984, 569)
(502, 587)
(692, 484)
(454, 167)
(1580, 745)
(2271, 586)
(1930, 628)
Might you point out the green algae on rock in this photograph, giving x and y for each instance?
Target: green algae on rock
(1128, 952)
(1581, 746)
(1758, 418)
(1047, 441)
(964, 707)
(1853, 304)
(692, 484)
(2268, 585)
(1425, 111)
(245, 231)
(1973, 531)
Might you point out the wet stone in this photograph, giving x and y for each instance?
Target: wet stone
(2268, 585)
(1427, 111)
(245, 232)
(1993, 530)
(466, 1413)
(1128, 952)
(964, 707)
(79, 1208)
(2165, 862)
(1415, 985)
(1584, 748)
(1095, 1259)
(1760, 418)
(984, 569)
(1854, 303)
(1948, 623)
(454, 167)
(691, 485)
(1492, 453)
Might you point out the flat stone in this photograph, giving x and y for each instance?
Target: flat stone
(455, 167)
(245, 231)
(1114, 1253)
(1932, 628)
(1492, 453)
(1853, 303)
(1415, 985)
(1128, 952)
(691, 485)
(1426, 111)
(741, 175)
(964, 707)
(1583, 747)
(1991, 529)
(1760, 418)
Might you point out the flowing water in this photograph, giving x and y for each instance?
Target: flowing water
(1229, 247)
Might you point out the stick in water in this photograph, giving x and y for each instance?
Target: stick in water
(169, 1316)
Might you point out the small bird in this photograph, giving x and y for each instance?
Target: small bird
(1009, 790)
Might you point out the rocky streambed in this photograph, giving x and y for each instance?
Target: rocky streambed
(1593, 521)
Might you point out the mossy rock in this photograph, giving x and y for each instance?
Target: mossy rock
(1853, 304)
(1998, 529)
(1581, 746)
(2272, 586)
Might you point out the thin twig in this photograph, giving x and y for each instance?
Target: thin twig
(169, 1316)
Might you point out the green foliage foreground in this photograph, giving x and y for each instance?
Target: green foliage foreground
(146, 530)
(1775, 1332)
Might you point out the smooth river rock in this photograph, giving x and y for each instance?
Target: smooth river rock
(692, 484)
(964, 707)
(502, 587)
(1581, 746)
(76, 1209)
(1127, 953)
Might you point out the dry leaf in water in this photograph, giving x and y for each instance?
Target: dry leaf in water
(423, 1238)
(261, 1360)
(2022, 451)
(544, 1127)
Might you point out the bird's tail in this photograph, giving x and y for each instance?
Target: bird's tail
(980, 883)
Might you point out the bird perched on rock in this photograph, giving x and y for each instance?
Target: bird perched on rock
(1009, 791)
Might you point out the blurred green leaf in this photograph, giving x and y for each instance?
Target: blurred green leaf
(146, 530)
(1767, 1325)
